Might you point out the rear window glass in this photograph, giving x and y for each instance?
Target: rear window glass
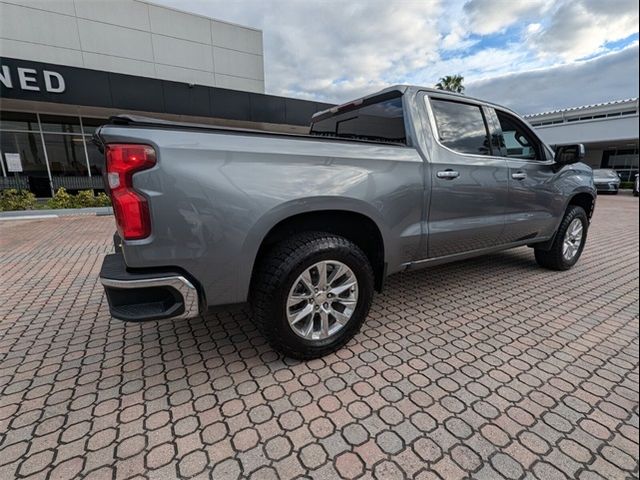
(461, 127)
(382, 121)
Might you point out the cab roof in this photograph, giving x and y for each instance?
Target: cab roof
(400, 90)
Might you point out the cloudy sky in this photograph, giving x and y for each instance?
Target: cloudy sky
(531, 55)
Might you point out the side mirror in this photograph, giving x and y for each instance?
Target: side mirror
(568, 154)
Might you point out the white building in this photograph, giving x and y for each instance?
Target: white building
(609, 132)
(135, 38)
(66, 66)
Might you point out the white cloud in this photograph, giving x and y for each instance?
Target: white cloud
(534, 28)
(490, 16)
(579, 29)
(609, 77)
(334, 50)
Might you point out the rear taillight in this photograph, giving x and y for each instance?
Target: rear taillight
(130, 208)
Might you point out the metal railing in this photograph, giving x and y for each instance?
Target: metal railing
(17, 183)
(77, 183)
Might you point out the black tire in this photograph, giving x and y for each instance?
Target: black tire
(553, 258)
(278, 270)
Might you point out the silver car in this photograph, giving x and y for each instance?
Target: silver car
(606, 180)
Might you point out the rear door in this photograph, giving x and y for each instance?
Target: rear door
(533, 197)
(469, 184)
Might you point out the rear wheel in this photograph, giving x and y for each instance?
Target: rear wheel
(568, 243)
(311, 294)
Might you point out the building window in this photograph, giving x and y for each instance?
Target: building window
(66, 155)
(623, 161)
(18, 121)
(96, 159)
(60, 124)
(91, 124)
(53, 152)
(34, 175)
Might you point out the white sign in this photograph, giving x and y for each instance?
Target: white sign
(14, 164)
(28, 79)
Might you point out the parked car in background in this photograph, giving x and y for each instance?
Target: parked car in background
(636, 186)
(306, 227)
(606, 180)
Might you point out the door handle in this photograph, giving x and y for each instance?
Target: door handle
(448, 174)
(519, 176)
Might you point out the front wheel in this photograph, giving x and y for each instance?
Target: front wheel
(311, 294)
(568, 243)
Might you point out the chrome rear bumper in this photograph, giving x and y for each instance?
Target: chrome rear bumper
(139, 296)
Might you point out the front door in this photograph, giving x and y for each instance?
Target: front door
(469, 184)
(533, 197)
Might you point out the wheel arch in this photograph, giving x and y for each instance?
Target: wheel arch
(582, 198)
(586, 200)
(353, 225)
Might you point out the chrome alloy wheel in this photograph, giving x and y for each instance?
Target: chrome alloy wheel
(322, 300)
(572, 240)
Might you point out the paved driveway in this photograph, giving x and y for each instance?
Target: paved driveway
(490, 368)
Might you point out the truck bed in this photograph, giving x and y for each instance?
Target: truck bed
(148, 122)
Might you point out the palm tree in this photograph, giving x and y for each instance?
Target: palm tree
(451, 83)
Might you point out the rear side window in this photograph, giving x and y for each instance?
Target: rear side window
(461, 127)
(382, 121)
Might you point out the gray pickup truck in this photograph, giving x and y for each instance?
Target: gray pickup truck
(306, 227)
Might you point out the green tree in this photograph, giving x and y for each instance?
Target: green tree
(451, 83)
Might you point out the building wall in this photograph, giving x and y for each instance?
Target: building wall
(605, 140)
(589, 131)
(135, 38)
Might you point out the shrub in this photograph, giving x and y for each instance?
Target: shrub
(61, 199)
(84, 199)
(627, 185)
(13, 199)
(103, 200)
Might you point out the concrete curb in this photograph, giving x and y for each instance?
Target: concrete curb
(55, 213)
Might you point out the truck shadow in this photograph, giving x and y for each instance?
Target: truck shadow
(226, 341)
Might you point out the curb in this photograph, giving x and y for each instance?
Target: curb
(55, 213)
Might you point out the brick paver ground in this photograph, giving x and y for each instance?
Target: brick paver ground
(490, 368)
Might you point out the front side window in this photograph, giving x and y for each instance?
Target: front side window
(461, 127)
(517, 141)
